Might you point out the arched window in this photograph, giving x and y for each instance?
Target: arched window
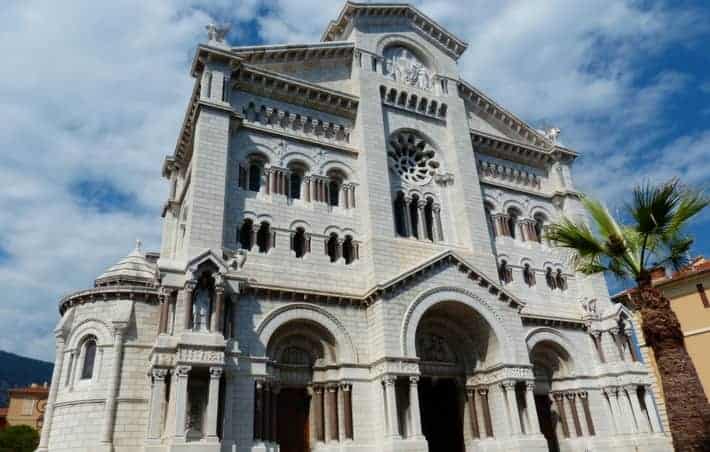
(540, 221)
(550, 279)
(505, 273)
(528, 275)
(300, 243)
(349, 250)
(429, 219)
(334, 192)
(295, 188)
(246, 235)
(513, 215)
(264, 237)
(256, 169)
(560, 280)
(414, 216)
(297, 173)
(400, 222)
(332, 247)
(87, 367)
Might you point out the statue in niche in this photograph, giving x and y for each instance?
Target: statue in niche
(202, 305)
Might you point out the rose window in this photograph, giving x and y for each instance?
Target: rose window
(412, 158)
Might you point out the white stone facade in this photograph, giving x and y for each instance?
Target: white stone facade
(352, 260)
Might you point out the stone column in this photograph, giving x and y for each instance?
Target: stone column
(331, 413)
(583, 397)
(612, 395)
(163, 324)
(407, 217)
(472, 412)
(318, 413)
(628, 408)
(187, 302)
(531, 408)
(438, 227)
(651, 408)
(486, 408)
(307, 188)
(560, 404)
(638, 414)
(512, 408)
(213, 404)
(114, 383)
(157, 397)
(274, 412)
(421, 219)
(258, 408)
(622, 412)
(346, 391)
(266, 413)
(52, 397)
(597, 338)
(392, 415)
(575, 415)
(216, 321)
(414, 408)
(181, 377)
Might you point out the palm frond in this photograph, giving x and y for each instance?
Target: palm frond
(653, 206)
(578, 237)
(691, 203)
(676, 252)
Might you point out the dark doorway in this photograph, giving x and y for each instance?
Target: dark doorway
(547, 423)
(441, 414)
(292, 420)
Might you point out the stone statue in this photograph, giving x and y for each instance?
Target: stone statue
(201, 306)
(216, 33)
(552, 134)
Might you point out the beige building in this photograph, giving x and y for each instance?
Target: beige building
(27, 405)
(689, 293)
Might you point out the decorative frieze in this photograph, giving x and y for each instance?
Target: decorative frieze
(294, 123)
(508, 174)
(200, 355)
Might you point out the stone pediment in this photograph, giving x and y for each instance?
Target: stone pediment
(339, 28)
(450, 258)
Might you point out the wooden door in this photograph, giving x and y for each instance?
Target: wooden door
(293, 407)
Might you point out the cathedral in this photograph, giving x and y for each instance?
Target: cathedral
(353, 258)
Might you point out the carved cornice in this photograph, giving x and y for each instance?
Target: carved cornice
(290, 89)
(294, 52)
(108, 293)
(448, 42)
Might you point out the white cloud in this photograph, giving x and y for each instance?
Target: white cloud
(96, 91)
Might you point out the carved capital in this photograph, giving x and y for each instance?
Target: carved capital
(190, 284)
(216, 372)
(158, 373)
(414, 380)
(570, 395)
(483, 391)
(389, 380)
(508, 385)
(182, 371)
(530, 386)
(582, 394)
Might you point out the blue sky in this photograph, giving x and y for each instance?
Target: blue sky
(93, 95)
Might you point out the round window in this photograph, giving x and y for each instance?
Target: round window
(412, 158)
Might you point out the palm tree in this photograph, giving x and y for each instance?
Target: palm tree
(652, 237)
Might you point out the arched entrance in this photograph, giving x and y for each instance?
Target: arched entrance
(551, 362)
(452, 341)
(304, 401)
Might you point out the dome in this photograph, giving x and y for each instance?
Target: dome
(134, 269)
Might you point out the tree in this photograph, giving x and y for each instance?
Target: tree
(653, 236)
(19, 438)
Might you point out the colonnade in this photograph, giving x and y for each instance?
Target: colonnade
(626, 411)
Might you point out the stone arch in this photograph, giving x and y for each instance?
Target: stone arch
(505, 350)
(262, 152)
(337, 165)
(332, 229)
(515, 204)
(555, 343)
(93, 327)
(420, 51)
(346, 352)
(299, 158)
(300, 224)
(539, 209)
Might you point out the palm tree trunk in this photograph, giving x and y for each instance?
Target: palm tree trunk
(687, 406)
